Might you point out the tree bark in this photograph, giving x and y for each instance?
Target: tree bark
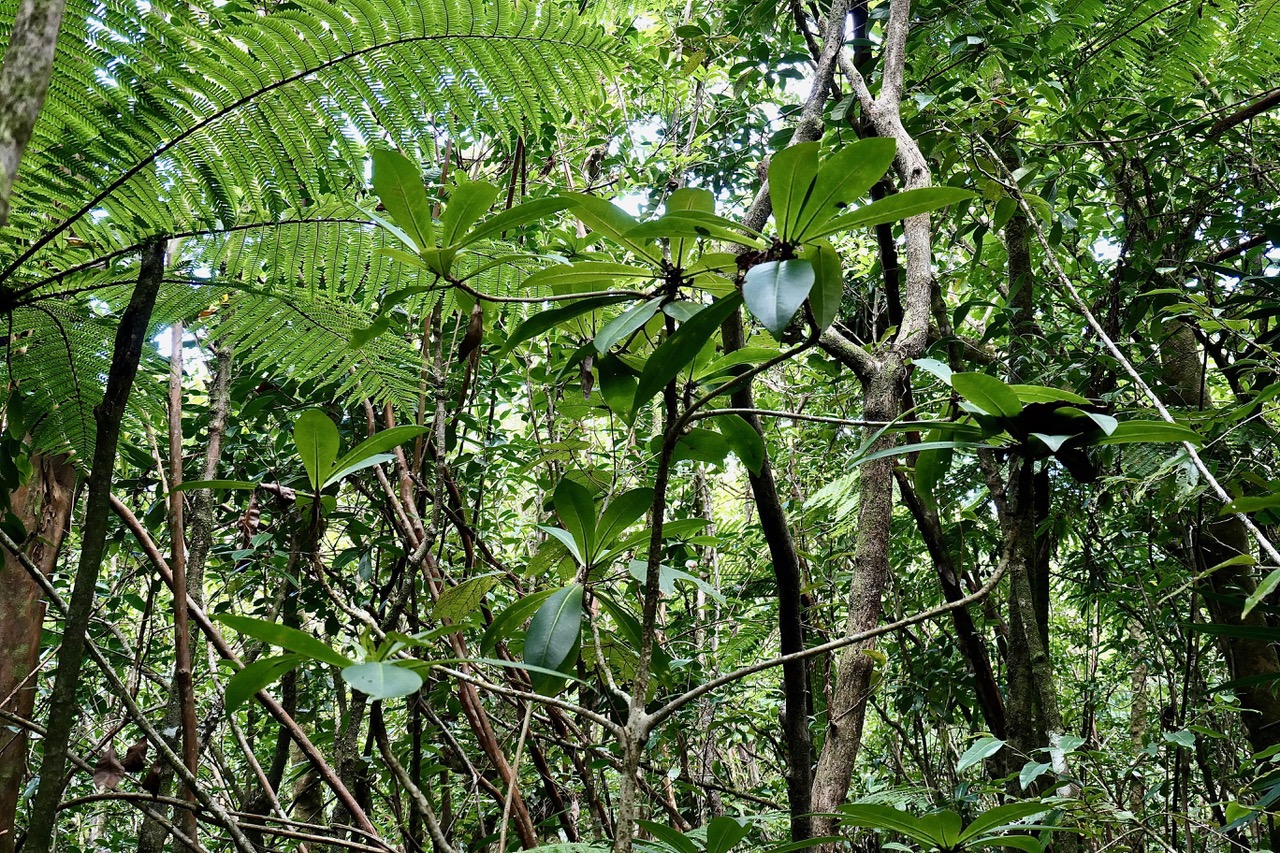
(24, 81)
(130, 337)
(44, 506)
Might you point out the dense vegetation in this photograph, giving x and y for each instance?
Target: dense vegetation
(685, 427)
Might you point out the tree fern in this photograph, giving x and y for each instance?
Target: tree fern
(241, 133)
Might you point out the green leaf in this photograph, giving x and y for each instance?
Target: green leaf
(372, 450)
(944, 826)
(381, 680)
(611, 221)
(982, 749)
(468, 201)
(872, 816)
(583, 276)
(673, 839)
(565, 538)
(621, 513)
(554, 635)
(792, 173)
(317, 441)
(456, 603)
(679, 350)
(290, 639)
(724, 833)
(828, 290)
(1018, 842)
(901, 205)
(743, 439)
(544, 320)
(987, 393)
(626, 323)
(775, 290)
(245, 684)
(398, 183)
(506, 623)
(1250, 504)
(1031, 771)
(1268, 585)
(931, 467)
(1181, 738)
(1154, 432)
(844, 177)
(999, 817)
(1044, 394)
(515, 217)
(577, 511)
(937, 368)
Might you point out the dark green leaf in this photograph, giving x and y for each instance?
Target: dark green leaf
(285, 637)
(679, 350)
(775, 290)
(398, 183)
(554, 634)
(317, 441)
(245, 684)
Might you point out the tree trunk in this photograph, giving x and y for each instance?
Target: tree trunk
(24, 81)
(848, 709)
(64, 710)
(44, 506)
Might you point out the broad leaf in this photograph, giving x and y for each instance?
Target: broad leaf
(724, 833)
(621, 513)
(901, 205)
(982, 749)
(364, 453)
(743, 439)
(285, 637)
(554, 635)
(626, 323)
(544, 320)
(398, 183)
(246, 683)
(679, 350)
(792, 173)
(987, 393)
(506, 623)
(515, 217)
(468, 201)
(775, 290)
(456, 603)
(577, 511)
(844, 177)
(381, 680)
(828, 288)
(317, 441)
(1155, 432)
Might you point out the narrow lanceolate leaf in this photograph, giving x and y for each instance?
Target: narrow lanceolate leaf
(256, 676)
(515, 217)
(621, 513)
(554, 635)
(626, 323)
(381, 680)
(679, 350)
(1155, 432)
(398, 183)
(902, 205)
(545, 320)
(792, 173)
(285, 637)
(774, 292)
(317, 441)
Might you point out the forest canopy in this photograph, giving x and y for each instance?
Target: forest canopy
(686, 427)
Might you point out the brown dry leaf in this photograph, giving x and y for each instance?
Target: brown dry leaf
(108, 772)
(135, 759)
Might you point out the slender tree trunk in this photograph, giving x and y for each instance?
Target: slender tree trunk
(789, 578)
(64, 710)
(24, 81)
(152, 835)
(44, 506)
(847, 711)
